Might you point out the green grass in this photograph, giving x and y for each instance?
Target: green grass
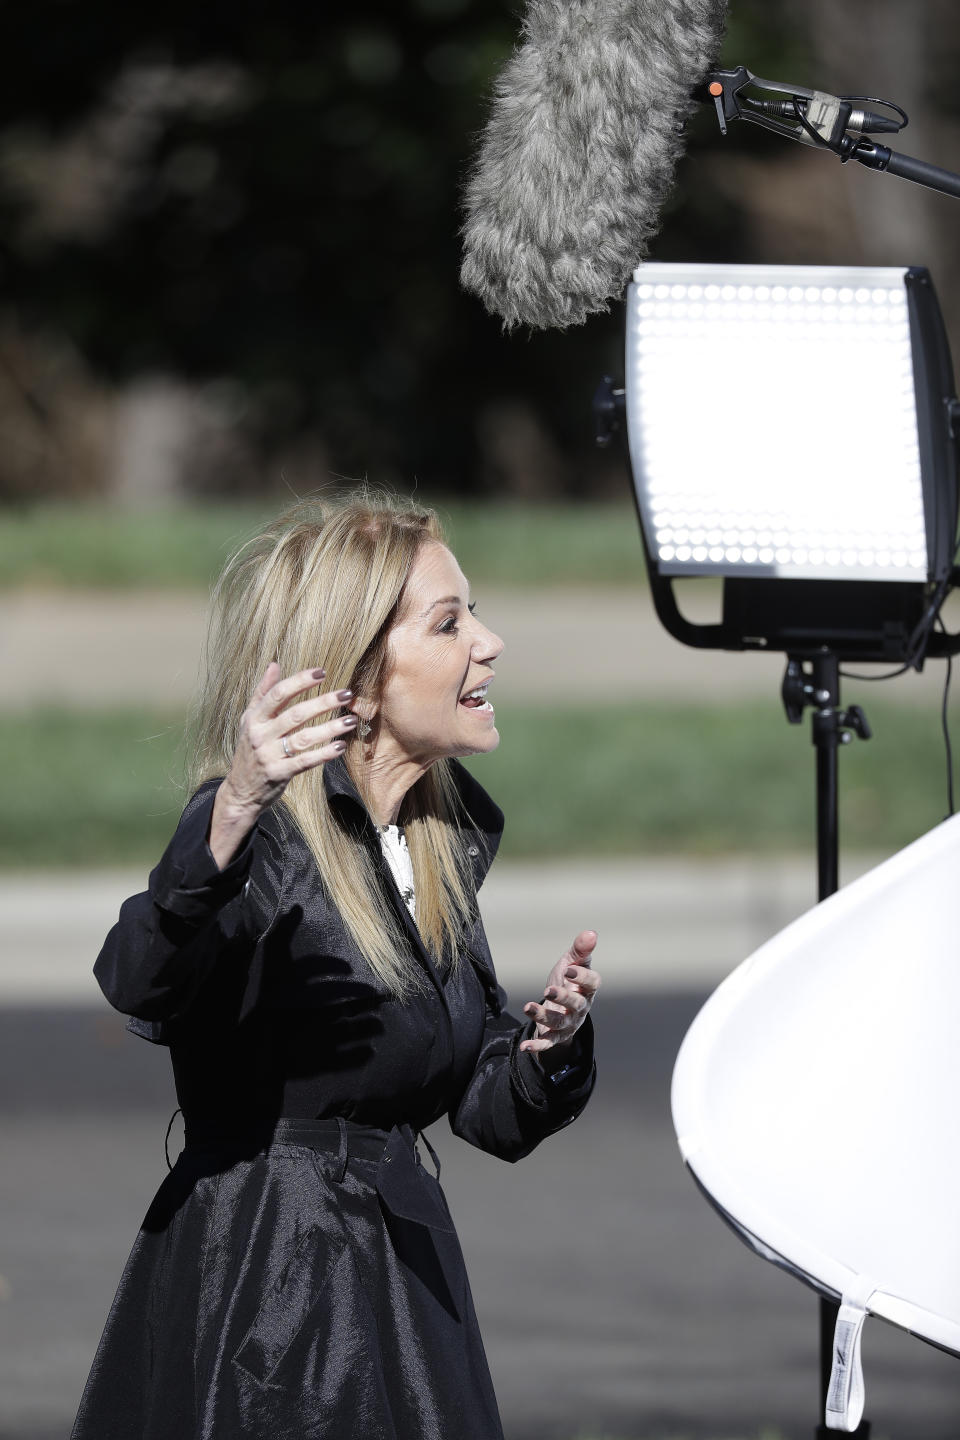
(94, 545)
(111, 547)
(88, 789)
(674, 778)
(82, 789)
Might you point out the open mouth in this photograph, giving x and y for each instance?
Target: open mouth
(477, 700)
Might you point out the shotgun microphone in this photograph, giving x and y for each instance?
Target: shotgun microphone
(578, 153)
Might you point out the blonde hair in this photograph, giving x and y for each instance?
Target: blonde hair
(323, 585)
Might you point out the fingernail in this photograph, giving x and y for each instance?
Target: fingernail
(338, 746)
(344, 695)
(319, 674)
(347, 722)
(550, 993)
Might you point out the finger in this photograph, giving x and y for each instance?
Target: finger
(309, 759)
(583, 947)
(544, 1042)
(313, 735)
(271, 680)
(267, 680)
(586, 980)
(294, 716)
(550, 1019)
(566, 996)
(277, 696)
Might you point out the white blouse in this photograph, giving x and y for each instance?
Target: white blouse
(393, 842)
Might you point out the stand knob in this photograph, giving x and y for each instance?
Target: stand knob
(854, 719)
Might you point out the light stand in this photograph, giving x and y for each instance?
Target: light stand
(773, 602)
(819, 687)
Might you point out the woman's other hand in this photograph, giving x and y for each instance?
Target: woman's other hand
(272, 749)
(568, 994)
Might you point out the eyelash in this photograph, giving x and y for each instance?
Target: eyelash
(449, 626)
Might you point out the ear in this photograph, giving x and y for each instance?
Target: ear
(363, 708)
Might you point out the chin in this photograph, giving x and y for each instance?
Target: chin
(481, 746)
(489, 743)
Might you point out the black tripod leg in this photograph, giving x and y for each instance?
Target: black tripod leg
(826, 738)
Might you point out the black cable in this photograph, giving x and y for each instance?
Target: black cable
(842, 147)
(890, 675)
(876, 100)
(166, 1138)
(800, 106)
(917, 644)
(945, 724)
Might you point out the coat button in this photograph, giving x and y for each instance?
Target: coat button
(473, 852)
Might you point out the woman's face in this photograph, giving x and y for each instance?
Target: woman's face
(439, 655)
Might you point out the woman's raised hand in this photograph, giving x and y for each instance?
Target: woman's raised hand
(570, 990)
(272, 749)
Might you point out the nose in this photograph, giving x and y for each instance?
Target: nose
(486, 645)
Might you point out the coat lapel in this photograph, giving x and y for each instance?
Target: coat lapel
(482, 841)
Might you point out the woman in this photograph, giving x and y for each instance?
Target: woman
(311, 951)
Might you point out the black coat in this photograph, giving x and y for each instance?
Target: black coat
(298, 1275)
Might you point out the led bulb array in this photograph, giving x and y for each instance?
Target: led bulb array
(751, 447)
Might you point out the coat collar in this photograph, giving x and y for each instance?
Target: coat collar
(485, 819)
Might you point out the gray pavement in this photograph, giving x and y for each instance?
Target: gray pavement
(575, 645)
(613, 1300)
(664, 924)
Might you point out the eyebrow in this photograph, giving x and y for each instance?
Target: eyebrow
(446, 600)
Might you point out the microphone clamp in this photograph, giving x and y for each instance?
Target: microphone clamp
(812, 117)
(837, 123)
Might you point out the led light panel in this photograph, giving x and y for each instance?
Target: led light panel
(772, 421)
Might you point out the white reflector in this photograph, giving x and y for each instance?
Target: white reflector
(772, 421)
(815, 1094)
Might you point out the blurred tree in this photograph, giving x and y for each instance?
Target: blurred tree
(263, 196)
(263, 200)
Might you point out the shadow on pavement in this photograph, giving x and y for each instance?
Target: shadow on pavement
(613, 1301)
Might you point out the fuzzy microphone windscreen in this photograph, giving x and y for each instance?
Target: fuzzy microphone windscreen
(578, 153)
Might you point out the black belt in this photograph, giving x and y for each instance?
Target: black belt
(400, 1177)
(363, 1142)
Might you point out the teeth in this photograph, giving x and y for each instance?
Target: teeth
(478, 694)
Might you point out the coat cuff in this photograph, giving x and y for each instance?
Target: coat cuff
(566, 1084)
(188, 882)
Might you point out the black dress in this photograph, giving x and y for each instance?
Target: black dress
(298, 1275)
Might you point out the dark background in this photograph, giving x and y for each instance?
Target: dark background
(261, 201)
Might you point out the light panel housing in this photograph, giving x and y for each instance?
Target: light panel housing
(792, 429)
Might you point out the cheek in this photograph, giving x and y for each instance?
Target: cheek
(422, 686)
(439, 675)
